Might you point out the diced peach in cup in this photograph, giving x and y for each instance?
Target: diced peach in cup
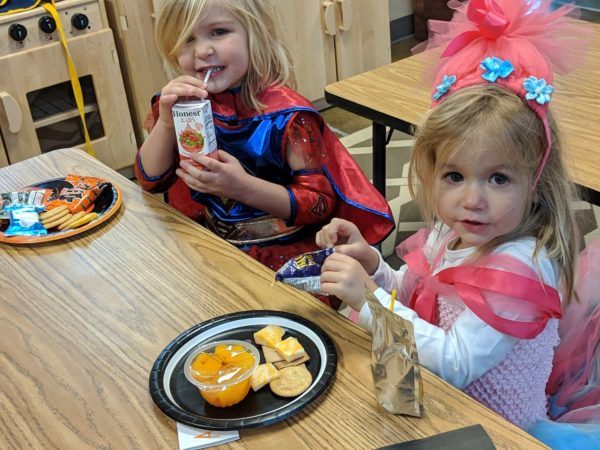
(222, 371)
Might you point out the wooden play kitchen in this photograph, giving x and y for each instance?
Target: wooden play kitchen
(37, 110)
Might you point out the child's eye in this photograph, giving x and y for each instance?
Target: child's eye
(189, 39)
(218, 32)
(453, 177)
(499, 178)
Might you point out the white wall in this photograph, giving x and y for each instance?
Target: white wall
(399, 8)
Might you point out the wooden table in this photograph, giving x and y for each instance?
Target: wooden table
(83, 320)
(397, 95)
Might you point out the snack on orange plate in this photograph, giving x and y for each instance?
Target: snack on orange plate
(80, 196)
(73, 219)
(82, 221)
(57, 220)
(53, 212)
(222, 371)
(292, 381)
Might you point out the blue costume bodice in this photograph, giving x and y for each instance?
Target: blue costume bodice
(258, 139)
(257, 143)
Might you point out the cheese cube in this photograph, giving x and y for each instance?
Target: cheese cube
(270, 336)
(290, 349)
(263, 374)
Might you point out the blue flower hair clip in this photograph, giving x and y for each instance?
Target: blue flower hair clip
(538, 90)
(496, 68)
(447, 81)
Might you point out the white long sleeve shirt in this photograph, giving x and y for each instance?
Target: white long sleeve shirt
(471, 347)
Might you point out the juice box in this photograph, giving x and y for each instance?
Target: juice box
(194, 128)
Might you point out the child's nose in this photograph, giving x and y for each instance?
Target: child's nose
(203, 49)
(473, 196)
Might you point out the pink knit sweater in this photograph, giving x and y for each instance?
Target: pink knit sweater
(515, 388)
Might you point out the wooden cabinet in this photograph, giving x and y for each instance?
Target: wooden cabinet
(133, 26)
(328, 41)
(333, 39)
(3, 157)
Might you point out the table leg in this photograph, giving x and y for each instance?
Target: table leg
(379, 157)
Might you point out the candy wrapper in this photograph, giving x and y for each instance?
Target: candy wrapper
(24, 221)
(394, 362)
(79, 196)
(33, 198)
(304, 271)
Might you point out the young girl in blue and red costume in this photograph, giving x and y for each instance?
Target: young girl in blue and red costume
(280, 171)
(486, 286)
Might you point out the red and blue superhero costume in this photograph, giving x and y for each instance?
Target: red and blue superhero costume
(332, 185)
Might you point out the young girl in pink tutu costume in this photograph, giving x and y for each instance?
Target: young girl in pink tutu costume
(487, 285)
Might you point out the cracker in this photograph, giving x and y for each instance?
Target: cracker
(73, 219)
(53, 212)
(85, 219)
(271, 355)
(59, 219)
(295, 362)
(292, 381)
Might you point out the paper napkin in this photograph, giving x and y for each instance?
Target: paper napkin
(196, 438)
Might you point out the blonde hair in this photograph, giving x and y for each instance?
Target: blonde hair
(270, 62)
(496, 117)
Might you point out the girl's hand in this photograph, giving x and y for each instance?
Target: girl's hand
(181, 88)
(346, 238)
(224, 177)
(345, 278)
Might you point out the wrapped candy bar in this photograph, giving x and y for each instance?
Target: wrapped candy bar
(304, 271)
(79, 196)
(394, 362)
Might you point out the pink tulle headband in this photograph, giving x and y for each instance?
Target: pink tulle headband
(517, 44)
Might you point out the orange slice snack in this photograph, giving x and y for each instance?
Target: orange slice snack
(234, 355)
(206, 367)
(222, 373)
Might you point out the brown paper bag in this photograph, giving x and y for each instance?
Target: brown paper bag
(394, 362)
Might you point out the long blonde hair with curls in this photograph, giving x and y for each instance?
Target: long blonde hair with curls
(496, 117)
(270, 62)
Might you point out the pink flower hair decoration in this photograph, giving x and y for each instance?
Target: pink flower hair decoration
(516, 44)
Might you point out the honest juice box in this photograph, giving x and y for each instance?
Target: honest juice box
(194, 128)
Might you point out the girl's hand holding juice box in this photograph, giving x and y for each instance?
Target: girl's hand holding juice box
(194, 128)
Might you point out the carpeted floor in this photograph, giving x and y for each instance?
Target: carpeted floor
(406, 213)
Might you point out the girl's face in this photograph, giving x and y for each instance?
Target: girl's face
(218, 42)
(480, 198)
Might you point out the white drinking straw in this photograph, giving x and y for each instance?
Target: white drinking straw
(207, 76)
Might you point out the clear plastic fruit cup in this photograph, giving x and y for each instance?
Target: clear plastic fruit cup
(221, 370)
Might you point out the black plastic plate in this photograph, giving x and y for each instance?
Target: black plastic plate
(181, 401)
